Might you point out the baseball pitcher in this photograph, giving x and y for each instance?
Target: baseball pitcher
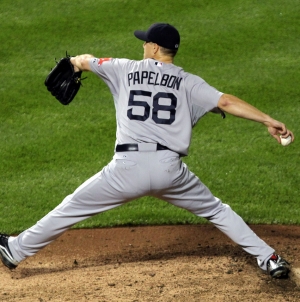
(157, 104)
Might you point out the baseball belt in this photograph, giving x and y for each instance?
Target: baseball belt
(135, 147)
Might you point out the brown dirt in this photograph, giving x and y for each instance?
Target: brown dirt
(158, 263)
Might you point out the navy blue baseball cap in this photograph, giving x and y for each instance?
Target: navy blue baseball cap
(163, 34)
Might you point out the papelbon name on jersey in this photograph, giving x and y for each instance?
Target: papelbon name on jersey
(153, 78)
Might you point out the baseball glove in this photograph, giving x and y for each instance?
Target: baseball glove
(63, 82)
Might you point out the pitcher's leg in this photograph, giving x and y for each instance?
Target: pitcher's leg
(92, 197)
(190, 193)
(231, 224)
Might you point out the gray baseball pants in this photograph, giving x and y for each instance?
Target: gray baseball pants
(131, 175)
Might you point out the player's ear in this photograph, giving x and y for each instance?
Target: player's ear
(156, 48)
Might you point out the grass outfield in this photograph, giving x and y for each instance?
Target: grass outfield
(246, 48)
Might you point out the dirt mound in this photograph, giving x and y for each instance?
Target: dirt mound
(158, 263)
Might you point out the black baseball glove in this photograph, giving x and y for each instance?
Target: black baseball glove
(63, 82)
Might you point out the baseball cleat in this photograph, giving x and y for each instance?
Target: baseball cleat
(278, 267)
(5, 253)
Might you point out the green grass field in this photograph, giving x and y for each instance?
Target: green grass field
(246, 48)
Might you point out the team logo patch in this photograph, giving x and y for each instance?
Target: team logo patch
(102, 60)
(159, 64)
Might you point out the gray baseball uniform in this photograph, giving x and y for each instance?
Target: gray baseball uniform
(157, 106)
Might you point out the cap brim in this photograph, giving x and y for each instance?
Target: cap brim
(142, 35)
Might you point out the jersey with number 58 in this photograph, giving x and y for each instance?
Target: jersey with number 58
(155, 102)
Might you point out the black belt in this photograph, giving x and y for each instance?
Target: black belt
(135, 147)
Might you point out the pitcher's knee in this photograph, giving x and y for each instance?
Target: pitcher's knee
(209, 208)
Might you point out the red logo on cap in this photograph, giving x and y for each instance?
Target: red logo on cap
(103, 60)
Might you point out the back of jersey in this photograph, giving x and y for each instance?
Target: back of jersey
(155, 102)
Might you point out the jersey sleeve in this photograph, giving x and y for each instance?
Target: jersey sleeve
(109, 70)
(203, 97)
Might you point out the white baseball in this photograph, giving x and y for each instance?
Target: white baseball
(285, 141)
